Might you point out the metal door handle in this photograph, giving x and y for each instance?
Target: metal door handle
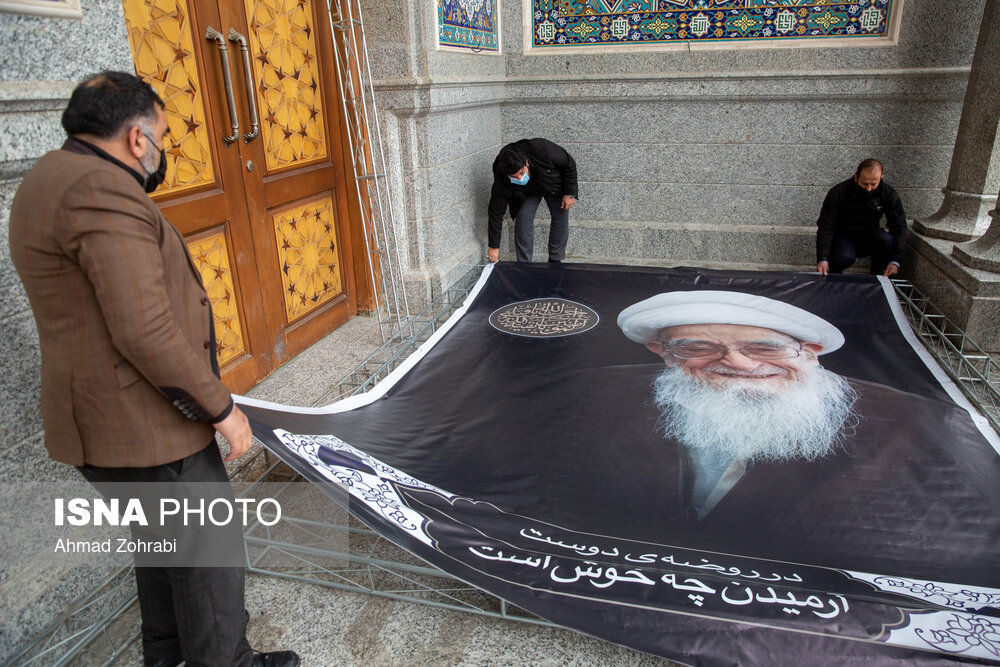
(234, 122)
(251, 98)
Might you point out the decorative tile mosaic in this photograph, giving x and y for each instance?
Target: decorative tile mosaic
(473, 25)
(565, 23)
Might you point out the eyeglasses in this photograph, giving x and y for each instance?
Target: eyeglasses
(701, 350)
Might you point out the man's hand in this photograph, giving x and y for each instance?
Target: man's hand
(493, 255)
(236, 429)
(823, 268)
(567, 202)
(891, 270)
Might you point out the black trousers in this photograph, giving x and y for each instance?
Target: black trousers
(192, 609)
(845, 249)
(524, 228)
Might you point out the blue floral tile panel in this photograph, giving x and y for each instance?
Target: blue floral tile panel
(563, 23)
(469, 24)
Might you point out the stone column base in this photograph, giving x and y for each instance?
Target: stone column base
(962, 216)
(984, 252)
(968, 296)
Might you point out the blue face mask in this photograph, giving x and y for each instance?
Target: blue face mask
(519, 181)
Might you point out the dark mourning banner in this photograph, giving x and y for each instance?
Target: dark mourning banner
(751, 468)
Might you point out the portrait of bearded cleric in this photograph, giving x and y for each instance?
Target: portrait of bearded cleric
(742, 383)
(752, 447)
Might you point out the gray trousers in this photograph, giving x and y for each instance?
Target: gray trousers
(189, 612)
(524, 228)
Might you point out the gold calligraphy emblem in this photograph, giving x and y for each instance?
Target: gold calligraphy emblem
(544, 318)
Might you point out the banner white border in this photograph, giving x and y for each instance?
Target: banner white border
(379, 390)
(934, 367)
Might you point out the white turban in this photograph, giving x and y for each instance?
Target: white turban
(643, 321)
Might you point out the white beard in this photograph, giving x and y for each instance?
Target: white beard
(806, 421)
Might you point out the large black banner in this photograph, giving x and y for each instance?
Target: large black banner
(715, 467)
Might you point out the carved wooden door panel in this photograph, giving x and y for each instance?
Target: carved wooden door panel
(264, 214)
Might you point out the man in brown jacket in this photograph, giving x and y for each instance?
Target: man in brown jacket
(130, 391)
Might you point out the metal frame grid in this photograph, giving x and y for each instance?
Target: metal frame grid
(86, 625)
(972, 369)
(363, 132)
(413, 333)
(374, 565)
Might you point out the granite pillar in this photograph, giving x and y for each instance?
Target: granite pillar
(955, 253)
(975, 165)
(962, 280)
(984, 252)
(967, 295)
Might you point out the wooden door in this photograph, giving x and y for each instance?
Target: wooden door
(296, 194)
(266, 217)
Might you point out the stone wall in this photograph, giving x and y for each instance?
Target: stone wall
(40, 62)
(441, 115)
(704, 157)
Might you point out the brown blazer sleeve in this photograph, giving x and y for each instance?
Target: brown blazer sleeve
(120, 240)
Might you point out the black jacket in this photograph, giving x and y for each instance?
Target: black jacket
(849, 210)
(553, 173)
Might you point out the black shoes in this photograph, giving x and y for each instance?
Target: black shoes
(276, 659)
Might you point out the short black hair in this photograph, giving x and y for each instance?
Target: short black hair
(511, 160)
(868, 164)
(105, 103)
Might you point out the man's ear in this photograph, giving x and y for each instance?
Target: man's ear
(815, 348)
(133, 138)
